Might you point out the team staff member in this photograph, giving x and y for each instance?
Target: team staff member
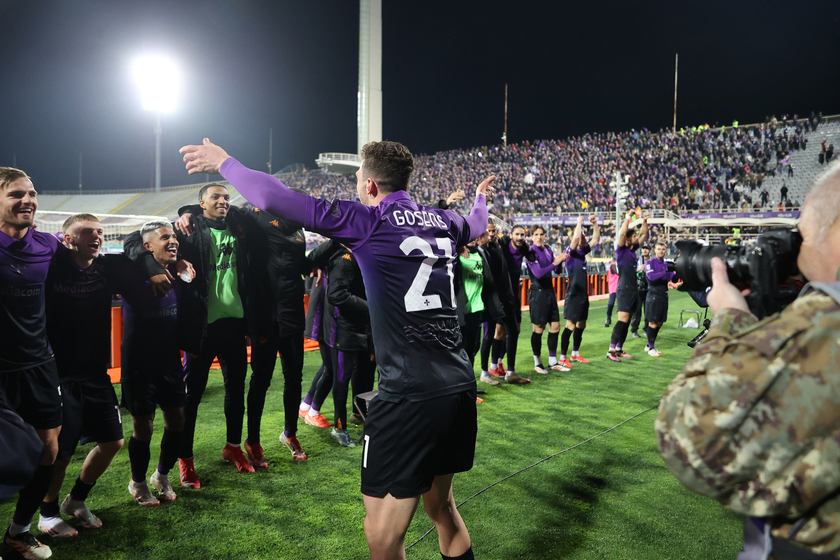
(152, 372)
(628, 290)
(514, 250)
(79, 285)
(421, 427)
(751, 420)
(542, 300)
(278, 263)
(656, 306)
(28, 375)
(576, 305)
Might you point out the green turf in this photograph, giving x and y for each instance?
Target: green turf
(611, 498)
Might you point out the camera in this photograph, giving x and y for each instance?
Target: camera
(763, 267)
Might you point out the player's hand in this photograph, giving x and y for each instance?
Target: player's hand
(485, 188)
(560, 257)
(593, 220)
(317, 274)
(723, 294)
(579, 220)
(183, 225)
(674, 285)
(454, 197)
(645, 216)
(185, 265)
(161, 283)
(207, 158)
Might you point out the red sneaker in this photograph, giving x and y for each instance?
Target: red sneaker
(497, 372)
(255, 455)
(235, 456)
(565, 363)
(612, 356)
(580, 359)
(294, 446)
(317, 421)
(302, 413)
(188, 477)
(623, 354)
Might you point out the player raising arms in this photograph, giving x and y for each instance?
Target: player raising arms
(576, 307)
(421, 427)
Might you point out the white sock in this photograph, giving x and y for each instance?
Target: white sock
(575, 353)
(313, 412)
(537, 361)
(233, 444)
(552, 360)
(15, 529)
(563, 357)
(484, 373)
(304, 407)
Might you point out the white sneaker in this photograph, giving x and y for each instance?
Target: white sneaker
(161, 484)
(80, 511)
(141, 494)
(56, 527)
(489, 379)
(28, 546)
(653, 352)
(540, 369)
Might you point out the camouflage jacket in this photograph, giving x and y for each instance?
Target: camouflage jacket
(753, 420)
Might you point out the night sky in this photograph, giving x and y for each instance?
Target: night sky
(66, 87)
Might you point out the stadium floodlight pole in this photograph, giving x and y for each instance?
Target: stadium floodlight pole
(160, 85)
(80, 172)
(676, 69)
(504, 134)
(270, 139)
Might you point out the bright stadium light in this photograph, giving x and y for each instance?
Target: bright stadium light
(159, 81)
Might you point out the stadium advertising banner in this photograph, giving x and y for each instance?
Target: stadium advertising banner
(551, 220)
(741, 215)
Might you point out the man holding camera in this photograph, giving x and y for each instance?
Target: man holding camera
(752, 419)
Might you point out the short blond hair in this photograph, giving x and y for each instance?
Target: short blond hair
(9, 175)
(77, 218)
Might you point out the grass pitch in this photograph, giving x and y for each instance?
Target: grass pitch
(610, 498)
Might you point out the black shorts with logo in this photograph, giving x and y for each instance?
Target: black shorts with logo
(543, 304)
(407, 444)
(91, 411)
(576, 307)
(628, 299)
(34, 393)
(656, 307)
(145, 388)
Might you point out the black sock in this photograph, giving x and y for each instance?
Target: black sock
(512, 343)
(80, 490)
(138, 455)
(564, 341)
(552, 343)
(652, 333)
(32, 495)
(468, 555)
(50, 509)
(615, 337)
(577, 337)
(170, 443)
(536, 343)
(625, 328)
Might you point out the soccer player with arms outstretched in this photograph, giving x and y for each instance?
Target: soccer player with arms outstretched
(421, 427)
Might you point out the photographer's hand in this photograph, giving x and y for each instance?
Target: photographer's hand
(723, 294)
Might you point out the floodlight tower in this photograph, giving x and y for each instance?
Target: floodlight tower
(160, 85)
(369, 96)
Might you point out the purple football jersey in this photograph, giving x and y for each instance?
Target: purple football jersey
(406, 253)
(24, 264)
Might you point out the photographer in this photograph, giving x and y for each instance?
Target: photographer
(752, 419)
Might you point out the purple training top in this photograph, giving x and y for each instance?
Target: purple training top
(406, 253)
(540, 270)
(625, 259)
(576, 269)
(658, 275)
(24, 265)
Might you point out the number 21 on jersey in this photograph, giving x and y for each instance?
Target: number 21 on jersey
(416, 298)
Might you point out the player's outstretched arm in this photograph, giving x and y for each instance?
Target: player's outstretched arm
(596, 232)
(622, 235)
(260, 189)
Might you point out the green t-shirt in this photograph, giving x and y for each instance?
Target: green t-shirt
(473, 275)
(223, 289)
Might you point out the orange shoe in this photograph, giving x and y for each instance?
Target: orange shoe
(317, 421)
(565, 363)
(478, 400)
(302, 413)
(188, 477)
(255, 455)
(497, 372)
(235, 456)
(293, 445)
(580, 359)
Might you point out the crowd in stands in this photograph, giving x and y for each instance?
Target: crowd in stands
(701, 168)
